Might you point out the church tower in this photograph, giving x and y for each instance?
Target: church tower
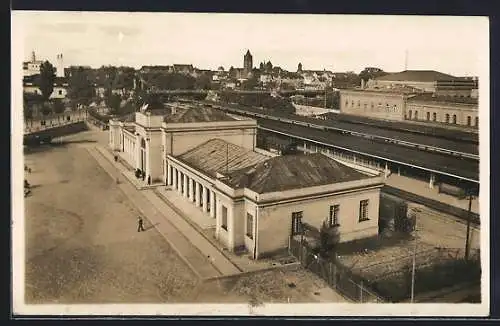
(299, 68)
(247, 63)
(60, 66)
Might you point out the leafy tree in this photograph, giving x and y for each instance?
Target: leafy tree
(250, 84)
(80, 88)
(46, 79)
(232, 72)
(58, 106)
(46, 110)
(113, 101)
(203, 82)
(328, 240)
(371, 73)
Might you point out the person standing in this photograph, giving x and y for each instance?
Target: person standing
(140, 224)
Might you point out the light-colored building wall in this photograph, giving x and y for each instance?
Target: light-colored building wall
(177, 138)
(59, 92)
(452, 113)
(379, 105)
(275, 220)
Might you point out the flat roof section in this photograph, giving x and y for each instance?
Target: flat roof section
(424, 135)
(440, 163)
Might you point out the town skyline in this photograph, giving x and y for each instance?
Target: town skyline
(97, 39)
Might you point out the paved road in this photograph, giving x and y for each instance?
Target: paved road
(82, 244)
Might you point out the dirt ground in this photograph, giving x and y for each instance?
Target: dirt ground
(82, 245)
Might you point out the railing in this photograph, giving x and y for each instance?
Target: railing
(332, 272)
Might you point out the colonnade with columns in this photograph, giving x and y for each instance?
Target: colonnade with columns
(191, 188)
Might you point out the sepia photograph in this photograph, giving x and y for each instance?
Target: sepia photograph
(250, 164)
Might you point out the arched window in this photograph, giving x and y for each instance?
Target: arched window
(387, 107)
(447, 118)
(428, 116)
(434, 116)
(469, 120)
(455, 119)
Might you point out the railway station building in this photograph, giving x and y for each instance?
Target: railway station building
(257, 199)
(415, 96)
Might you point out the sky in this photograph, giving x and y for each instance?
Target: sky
(451, 45)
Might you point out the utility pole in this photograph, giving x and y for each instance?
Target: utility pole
(414, 263)
(467, 236)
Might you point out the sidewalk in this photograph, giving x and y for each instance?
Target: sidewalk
(421, 188)
(127, 170)
(205, 259)
(205, 225)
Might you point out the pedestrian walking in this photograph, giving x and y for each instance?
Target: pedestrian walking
(140, 224)
(149, 180)
(116, 158)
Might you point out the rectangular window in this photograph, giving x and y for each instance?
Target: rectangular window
(333, 219)
(296, 222)
(363, 210)
(224, 217)
(249, 226)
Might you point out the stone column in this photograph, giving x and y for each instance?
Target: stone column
(204, 201)
(386, 171)
(169, 174)
(191, 190)
(197, 194)
(174, 178)
(179, 180)
(185, 190)
(212, 204)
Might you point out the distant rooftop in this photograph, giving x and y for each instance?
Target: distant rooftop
(197, 114)
(444, 99)
(418, 76)
(293, 172)
(217, 155)
(393, 90)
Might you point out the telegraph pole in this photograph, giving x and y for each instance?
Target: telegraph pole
(413, 264)
(467, 236)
